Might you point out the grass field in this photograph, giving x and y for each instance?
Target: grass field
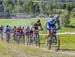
(13, 50)
(27, 22)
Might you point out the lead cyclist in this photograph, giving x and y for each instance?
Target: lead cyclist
(51, 24)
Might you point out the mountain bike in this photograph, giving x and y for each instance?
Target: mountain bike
(53, 41)
(18, 36)
(8, 37)
(37, 37)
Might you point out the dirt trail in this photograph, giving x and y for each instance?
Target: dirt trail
(14, 51)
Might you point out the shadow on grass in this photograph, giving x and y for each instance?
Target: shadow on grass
(70, 26)
(67, 49)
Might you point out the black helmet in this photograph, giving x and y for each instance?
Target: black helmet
(7, 26)
(38, 20)
(51, 16)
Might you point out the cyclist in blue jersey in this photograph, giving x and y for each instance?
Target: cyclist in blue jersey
(7, 32)
(51, 24)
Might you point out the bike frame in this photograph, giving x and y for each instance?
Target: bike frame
(37, 38)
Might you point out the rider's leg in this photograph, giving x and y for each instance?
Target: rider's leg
(55, 38)
(2, 35)
(14, 38)
(48, 36)
(27, 39)
(48, 27)
(38, 40)
(49, 33)
(23, 38)
(8, 37)
(54, 32)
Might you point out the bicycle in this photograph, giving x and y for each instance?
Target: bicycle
(53, 40)
(1, 35)
(8, 37)
(37, 37)
(28, 38)
(18, 36)
(22, 38)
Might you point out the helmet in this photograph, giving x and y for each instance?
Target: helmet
(51, 16)
(19, 27)
(56, 16)
(14, 26)
(7, 26)
(38, 20)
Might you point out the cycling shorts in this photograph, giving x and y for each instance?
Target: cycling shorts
(7, 32)
(18, 33)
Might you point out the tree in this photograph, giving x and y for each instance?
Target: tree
(72, 15)
(65, 18)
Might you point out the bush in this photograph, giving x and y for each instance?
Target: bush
(72, 15)
(65, 19)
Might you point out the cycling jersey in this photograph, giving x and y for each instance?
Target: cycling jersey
(18, 30)
(50, 23)
(36, 25)
(51, 20)
(7, 30)
(31, 31)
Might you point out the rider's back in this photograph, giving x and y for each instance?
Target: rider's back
(18, 30)
(36, 25)
(51, 20)
(8, 29)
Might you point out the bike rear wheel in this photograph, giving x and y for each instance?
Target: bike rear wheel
(37, 40)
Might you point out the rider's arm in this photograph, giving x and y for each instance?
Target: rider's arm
(58, 23)
(4, 30)
(41, 26)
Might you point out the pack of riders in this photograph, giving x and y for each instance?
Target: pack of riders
(50, 24)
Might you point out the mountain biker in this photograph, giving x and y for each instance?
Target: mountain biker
(14, 33)
(27, 31)
(23, 34)
(14, 28)
(22, 31)
(37, 25)
(18, 30)
(7, 31)
(51, 24)
(28, 35)
(18, 34)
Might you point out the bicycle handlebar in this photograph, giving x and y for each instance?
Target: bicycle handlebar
(56, 28)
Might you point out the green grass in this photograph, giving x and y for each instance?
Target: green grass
(17, 22)
(72, 20)
(27, 22)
